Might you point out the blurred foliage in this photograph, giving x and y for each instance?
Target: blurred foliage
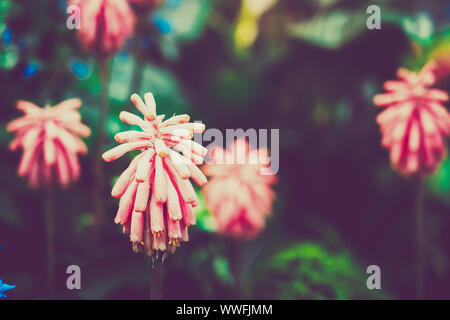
(330, 30)
(205, 220)
(439, 183)
(309, 271)
(184, 21)
(309, 68)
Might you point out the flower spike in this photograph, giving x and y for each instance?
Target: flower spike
(50, 139)
(239, 195)
(156, 196)
(414, 123)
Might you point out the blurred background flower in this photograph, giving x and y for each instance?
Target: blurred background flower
(105, 25)
(50, 139)
(239, 193)
(414, 124)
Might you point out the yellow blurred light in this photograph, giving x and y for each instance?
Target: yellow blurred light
(246, 32)
(247, 28)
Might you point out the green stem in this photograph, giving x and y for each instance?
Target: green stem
(50, 240)
(237, 267)
(99, 165)
(420, 238)
(156, 280)
(136, 80)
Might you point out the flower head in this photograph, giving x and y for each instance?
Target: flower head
(50, 141)
(239, 192)
(414, 123)
(105, 25)
(156, 196)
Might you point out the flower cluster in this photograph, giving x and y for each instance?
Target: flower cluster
(156, 196)
(415, 122)
(105, 25)
(50, 141)
(239, 192)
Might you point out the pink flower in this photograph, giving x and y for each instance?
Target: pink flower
(50, 141)
(156, 196)
(415, 122)
(239, 193)
(105, 25)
